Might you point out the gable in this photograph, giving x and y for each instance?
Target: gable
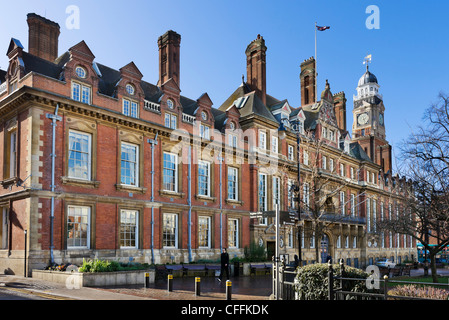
(132, 71)
(14, 44)
(327, 114)
(171, 84)
(286, 108)
(301, 116)
(82, 51)
(205, 100)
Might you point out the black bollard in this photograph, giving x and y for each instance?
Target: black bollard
(147, 279)
(170, 282)
(197, 286)
(228, 290)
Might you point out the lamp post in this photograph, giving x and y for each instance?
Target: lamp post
(282, 133)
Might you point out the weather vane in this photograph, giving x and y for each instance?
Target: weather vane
(367, 60)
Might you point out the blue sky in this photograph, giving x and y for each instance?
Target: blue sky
(409, 50)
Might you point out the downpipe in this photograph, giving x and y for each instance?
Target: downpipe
(153, 142)
(189, 178)
(54, 117)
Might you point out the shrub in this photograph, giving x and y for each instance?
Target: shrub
(97, 265)
(255, 253)
(415, 291)
(312, 281)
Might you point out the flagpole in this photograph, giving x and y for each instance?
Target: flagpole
(316, 74)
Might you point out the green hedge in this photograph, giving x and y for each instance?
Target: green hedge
(97, 265)
(312, 281)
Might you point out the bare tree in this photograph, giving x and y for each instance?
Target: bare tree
(424, 161)
(320, 188)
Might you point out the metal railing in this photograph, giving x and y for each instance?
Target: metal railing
(286, 283)
(341, 287)
(377, 288)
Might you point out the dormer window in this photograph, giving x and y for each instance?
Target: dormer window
(130, 89)
(81, 92)
(130, 108)
(331, 135)
(324, 132)
(80, 72)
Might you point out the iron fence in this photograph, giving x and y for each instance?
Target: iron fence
(341, 287)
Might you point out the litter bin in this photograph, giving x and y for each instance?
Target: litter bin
(236, 269)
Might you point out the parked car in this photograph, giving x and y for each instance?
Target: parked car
(386, 263)
(440, 260)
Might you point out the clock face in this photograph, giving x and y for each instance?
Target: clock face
(204, 115)
(363, 118)
(381, 119)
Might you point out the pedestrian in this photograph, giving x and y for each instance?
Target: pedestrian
(296, 262)
(224, 265)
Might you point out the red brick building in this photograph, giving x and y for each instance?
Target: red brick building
(99, 163)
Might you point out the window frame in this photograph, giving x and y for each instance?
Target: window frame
(88, 236)
(276, 194)
(204, 131)
(89, 155)
(263, 194)
(137, 163)
(208, 232)
(175, 171)
(207, 177)
(262, 142)
(235, 233)
(235, 182)
(172, 120)
(291, 152)
(83, 70)
(80, 92)
(131, 104)
(136, 230)
(274, 144)
(174, 232)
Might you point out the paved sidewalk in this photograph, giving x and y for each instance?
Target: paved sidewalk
(55, 291)
(243, 288)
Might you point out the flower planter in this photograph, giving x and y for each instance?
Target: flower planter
(75, 280)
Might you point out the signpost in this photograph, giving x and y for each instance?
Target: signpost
(281, 218)
(285, 217)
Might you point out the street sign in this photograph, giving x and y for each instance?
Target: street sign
(288, 217)
(285, 217)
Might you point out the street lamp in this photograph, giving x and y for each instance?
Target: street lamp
(282, 134)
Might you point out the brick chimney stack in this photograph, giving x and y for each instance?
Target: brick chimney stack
(169, 49)
(308, 81)
(256, 67)
(43, 36)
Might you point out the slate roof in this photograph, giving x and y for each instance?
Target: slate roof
(252, 105)
(357, 152)
(35, 64)
(2, 76)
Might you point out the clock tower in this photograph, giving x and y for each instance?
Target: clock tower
(368, 128)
